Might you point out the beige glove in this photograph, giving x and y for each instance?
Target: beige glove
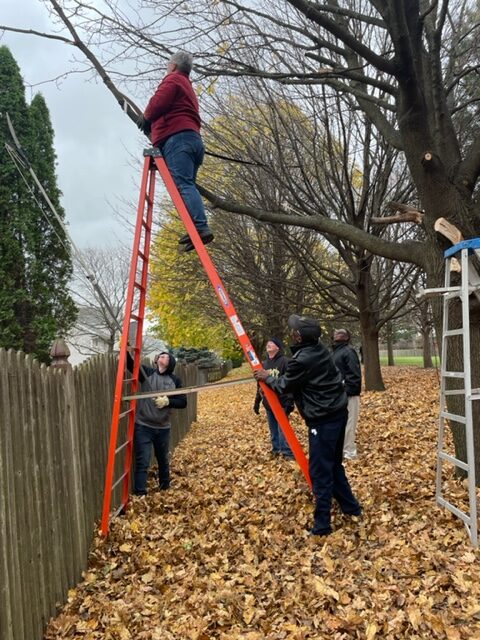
(162, 401)
(273, 372)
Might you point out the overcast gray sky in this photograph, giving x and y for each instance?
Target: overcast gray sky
(97, 145)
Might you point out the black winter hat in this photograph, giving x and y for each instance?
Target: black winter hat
(308, 328)
(277, 341)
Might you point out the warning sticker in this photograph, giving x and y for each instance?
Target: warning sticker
(222, 295)
(237, 326)
(252, 356)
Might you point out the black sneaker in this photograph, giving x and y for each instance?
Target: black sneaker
(188, 246)
(206, 236)
(320, 532)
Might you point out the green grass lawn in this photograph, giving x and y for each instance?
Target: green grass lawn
(412, 361)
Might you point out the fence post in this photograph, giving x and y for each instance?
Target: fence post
(60, 354)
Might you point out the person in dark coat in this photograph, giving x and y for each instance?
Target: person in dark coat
(317, 388)
(152, 420)
(275, 363)
(346, 360)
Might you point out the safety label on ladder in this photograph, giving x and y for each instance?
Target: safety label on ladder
(252, 355)
(223, 295)
(237, 325)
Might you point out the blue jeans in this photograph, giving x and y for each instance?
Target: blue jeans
(183, 153)
(279, 443)
(325, 440)
(144, 438)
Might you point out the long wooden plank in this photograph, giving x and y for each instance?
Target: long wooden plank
(186, 390)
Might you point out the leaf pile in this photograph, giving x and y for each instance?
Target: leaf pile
(226, 553)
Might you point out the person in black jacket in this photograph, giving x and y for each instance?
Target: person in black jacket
(152, 420)
(319, 395)
(346, 360)
(275, 364)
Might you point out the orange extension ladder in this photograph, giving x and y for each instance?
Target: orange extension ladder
(134, 317)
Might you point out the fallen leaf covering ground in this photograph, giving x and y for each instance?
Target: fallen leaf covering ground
(226, 555)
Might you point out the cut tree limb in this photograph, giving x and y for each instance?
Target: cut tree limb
(453, 234)
(403, 213)
(448, 230)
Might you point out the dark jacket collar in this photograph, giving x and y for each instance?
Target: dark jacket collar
(309, 343)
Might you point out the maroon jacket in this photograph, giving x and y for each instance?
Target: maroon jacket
(173, 108)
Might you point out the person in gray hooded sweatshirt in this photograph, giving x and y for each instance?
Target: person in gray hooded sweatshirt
(152, 420)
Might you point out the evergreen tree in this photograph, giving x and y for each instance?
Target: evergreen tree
(12, 206)
(35, 303)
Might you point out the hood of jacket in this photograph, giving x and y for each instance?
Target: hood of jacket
(171, 364)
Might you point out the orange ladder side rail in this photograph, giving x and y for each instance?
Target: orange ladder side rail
(142, 287)
(229, 309)
(142, 230)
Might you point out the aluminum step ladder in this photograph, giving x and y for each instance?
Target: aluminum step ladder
(464, 253)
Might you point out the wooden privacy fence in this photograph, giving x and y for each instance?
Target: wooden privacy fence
(54, 437)
(212, 374)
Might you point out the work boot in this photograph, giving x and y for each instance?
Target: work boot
(206, 236)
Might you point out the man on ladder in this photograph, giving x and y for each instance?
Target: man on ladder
(172, 120)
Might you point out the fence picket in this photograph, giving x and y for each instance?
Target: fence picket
(8, 608)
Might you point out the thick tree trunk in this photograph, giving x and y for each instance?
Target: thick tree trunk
(426, 332)
(389, 334)
(370, 337)
(371, 357)
(427, 349)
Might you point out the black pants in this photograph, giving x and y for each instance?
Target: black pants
(325, 439)
(144, 438)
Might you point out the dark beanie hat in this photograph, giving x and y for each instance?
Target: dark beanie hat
(308, 328)
(276, 341)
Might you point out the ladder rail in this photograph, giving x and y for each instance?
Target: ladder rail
(231, 313)
(141, 228)
(145, 254)
(472, 497)
(443, 369)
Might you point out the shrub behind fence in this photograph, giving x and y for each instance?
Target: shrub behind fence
(55, 427)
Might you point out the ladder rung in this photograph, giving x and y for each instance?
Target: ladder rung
(134, 316)
(120, 447)
(453, 460)
(454, 417)
(142, 255)
(129, 379)
(119, 510)
(124, 413)
(119, 480)
(454, 392)
(146, 225)
(453, 374)
(458, 512)
(139, 286)
(453, 332)
(427, 293)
